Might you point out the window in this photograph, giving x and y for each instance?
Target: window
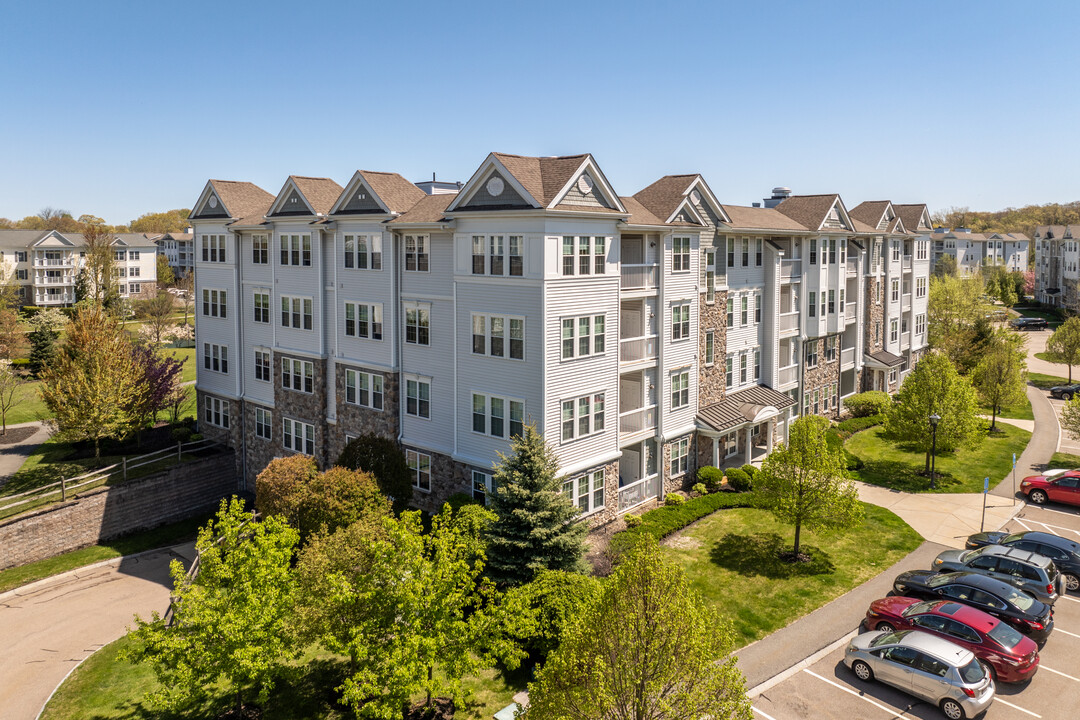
(892, 376)
(134, 254)
(517, 264)
(363, 320)
(489, 336)
(215, 357)
(823, 303)
(894, 330)
(296, 250)
(813, 304)
(832, 301)
(262, 365)
(843, 251)
(418, 323)
(807, 397)
(364, 389)
(297, 375)
(418, 397)
(680, 389)
(680, 454)
(133, 272)
(745, 252)
(591, 255)
(582, 416)
(296, 312)
(568, 255)
(482, 486)
(20, 256)
(757, 254)
(600, 256)
(710, 276)
(757, 307)
(841, 301)
(213, 303)
(731, 252)
(261, 305)
(895, 293)
(896, 251)
(121, 255)
(420, 469)
(729, 371)
(680, 254)
(363, 252)
(216, 412)
(134, 288)
(22, 274)
(832, 251)
(122, 289)
(298, 436)
(744, 307)
(920, 324)
(490, 416)
(710, 348)
(680, 322)
(731, 443)
(497, 254)
(757, 365)
(262, 424)
(830, 348)
(811, 354)
(260, 249)
(813, 251)
(586, 491)
(589, 333)
(920, 287)
(731, 312)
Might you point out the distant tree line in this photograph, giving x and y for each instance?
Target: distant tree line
(1023, 220)
(50, 218)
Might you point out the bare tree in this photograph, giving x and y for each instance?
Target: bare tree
(54, 218)
(187, 296)
(100, 265)
(157, 312)
(10, 392)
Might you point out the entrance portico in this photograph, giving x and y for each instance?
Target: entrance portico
(741, 426)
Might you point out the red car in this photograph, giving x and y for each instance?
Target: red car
(1011, 656)
(1061, 486)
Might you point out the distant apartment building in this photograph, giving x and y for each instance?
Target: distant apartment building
(45, 263)
(974, 251)
(179, 252)
(644, 336)
(1057, 265)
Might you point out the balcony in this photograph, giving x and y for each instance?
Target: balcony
(639, 277)
(905, 302)
(907, 262)
(638, 492)
(790, 268)
(54, 280)
(852, 266)
(50, 299)
(847, 357)
(636, 421)
(849, 313)
(54, 262)
(789, 321)
(638, 349)
(905, 340)
(787, 375)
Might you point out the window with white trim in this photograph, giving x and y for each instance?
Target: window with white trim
(213, 303)
(680, 321)
(134, 254)
(710, 276)
(832, 301)
(296, 312)
(730, 251)
(363, 320)
(216, 357)
(263, 428)
(920, 324)
(680, 254)
(812, 306)
(213, 248)
(363, 252)
(811, 353)
(295, 250)
(134, 288)
(586, 491)
(892, 376)
(582, 336)
(731, 312)
(729, 371)
(744, 306)
(830, 348)
(418, 396)
(920, 287)
(498, 416)
(262, 365)
(894, 331)
(584, 255)
(261, 305)
(731, 443)
(416, 253)
(260, 249)
(22, 275)
(757, 254)
(757, 365)
(680, 456)
(710, 348)
(483, 486)
(813, 251)
(20, 256)
(417, 323)
(895, 290)
(742, 368)
(297, 375)
(364, 389)
(298, 436)
(582, 416)
(498, 336)
(420, 469)
(745, 252)
(135, 272)
(216, 411)
(680, 389)
(757, 307)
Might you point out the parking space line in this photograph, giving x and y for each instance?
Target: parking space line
(1022, 524)
(765, 715)
(1059, 512)
(1056, 527)
(1059, 630)
(1066, 597)
(997, 698)
(849, 691)
(1058, 672)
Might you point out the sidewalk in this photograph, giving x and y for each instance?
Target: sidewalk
(13, 456)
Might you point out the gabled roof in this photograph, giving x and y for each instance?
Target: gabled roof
(672, 193)
(755, 218)
(913, 216)
(319, 194)
(430, 209)
(1058, 232)
(746, 406)
(639, 214)
(813, 210)
(241, 199)
(870, 212)
(393, 193)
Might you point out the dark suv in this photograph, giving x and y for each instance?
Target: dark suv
(1031, 573)
(1028, 323)
(1065, 553)
(1065, 392)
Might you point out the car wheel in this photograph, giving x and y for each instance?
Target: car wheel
(886, 627)
(952, 709)
(1066, 396)
(1038, 497)
(862, 671)
(989, 670)
(1072, 583)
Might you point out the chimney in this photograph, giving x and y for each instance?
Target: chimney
(779, 195)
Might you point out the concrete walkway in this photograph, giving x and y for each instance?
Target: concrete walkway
(49, 627)
(13, 456)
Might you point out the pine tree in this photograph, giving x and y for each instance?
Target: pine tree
(534, 528)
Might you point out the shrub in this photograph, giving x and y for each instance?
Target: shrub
(700, 488)
(196, 437)
(382, 458)
(181, 434)
(459, 500)
(847, 428)
(711, 476)
(873, 402)
(673, 499)
(632, 521)
(751, 471)
(555, 596)
(663, 521)
(739, 480)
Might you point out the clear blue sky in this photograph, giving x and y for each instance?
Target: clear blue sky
(120, 108)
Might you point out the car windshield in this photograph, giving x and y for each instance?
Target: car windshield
(1019, 599)
(1010, 539)
(888, 638)
(919, 608)
(972, 672)
(1005, 636)
(941, 579)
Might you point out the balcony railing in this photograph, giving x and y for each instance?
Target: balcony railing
(639, 348)
(790, 267)
(787, 375)
(905, 340)
(905, 301)
(852, 266)
(847, 356)
(639, 277)
(789, 321)
(54, 281)
(53, 262)
(638, 492)
(636, 421)
(47, 299)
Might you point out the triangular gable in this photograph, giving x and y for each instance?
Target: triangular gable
(837, 217)
(687, 212)
(492, 186)
(290, 201)
(588, 187)
(701, 195)
(52, 239)
(359, 199)
(900, 226)
(209, 204)
(887, 216)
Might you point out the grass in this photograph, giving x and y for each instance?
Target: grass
(1064, 460)
(138, 542)
(1020, 412)
(1052, 319)
(731, 558)
(899, 467)
(188, 356)
(1045, 382)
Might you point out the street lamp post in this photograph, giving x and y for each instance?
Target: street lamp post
(934, 420)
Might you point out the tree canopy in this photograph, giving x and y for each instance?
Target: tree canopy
(1064, 344)
(1000, 377)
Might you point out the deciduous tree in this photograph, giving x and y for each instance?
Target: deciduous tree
(157, 313)
(954, 308)
(1064, 344)
(382, 458)
(534, 526)
(165, 277)
(1070, 416)
(802, 482)
(1001, 375)
(99, 265)
(159, 376)
(648, 649)
(161, 222)
(11, 392)
(12, 338)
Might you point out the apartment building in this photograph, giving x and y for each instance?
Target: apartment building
(179, 251)
(643, 335)
(973, 251)
(1057, 265)
(45, 263)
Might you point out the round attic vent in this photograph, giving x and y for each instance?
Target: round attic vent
(495, 186)
(212, 202)
(695, 197)
(585, 184)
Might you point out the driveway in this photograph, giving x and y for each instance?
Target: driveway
(49, 627)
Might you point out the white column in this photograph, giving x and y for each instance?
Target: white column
(770, 435)
(716, 451)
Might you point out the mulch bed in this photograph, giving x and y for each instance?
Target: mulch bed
(443, 710)
(250, 712)
(17, 435)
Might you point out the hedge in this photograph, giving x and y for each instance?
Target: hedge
(663, 521)
(847, 428)
(873, 402)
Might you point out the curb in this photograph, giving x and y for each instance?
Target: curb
(804, 663)
(61, 683)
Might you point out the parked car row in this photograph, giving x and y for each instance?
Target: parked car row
(1061, 486)
(1028, 323)
(975, 618)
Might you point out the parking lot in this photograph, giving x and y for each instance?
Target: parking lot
(827, 689)
(1067, 443)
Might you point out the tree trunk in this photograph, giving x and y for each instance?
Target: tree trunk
(239, 704)
(97, 448)
(798, 531)
(993, 416)
(430, 677)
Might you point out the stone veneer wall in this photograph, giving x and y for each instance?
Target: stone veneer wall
(147, 290)
(232, 436)
(356, 420)
(874, 340)
(261, 451)
(611, 494)
(445, 478)
(687, 480)
(824, 376)
(303, 406)
(711, 380)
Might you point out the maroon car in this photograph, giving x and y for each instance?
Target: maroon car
(1061, 486)
(1011, 656)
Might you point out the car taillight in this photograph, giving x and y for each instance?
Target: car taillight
(1049, 589)
(1034, 625)
(970, 692)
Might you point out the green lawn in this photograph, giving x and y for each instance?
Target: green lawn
(29, 406)
(900, 468)
(731, 558)
(1064, 460)
(1045, 382)
(1020, 412)
(188, 356)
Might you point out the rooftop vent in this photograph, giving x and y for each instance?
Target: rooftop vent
(779, 195)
